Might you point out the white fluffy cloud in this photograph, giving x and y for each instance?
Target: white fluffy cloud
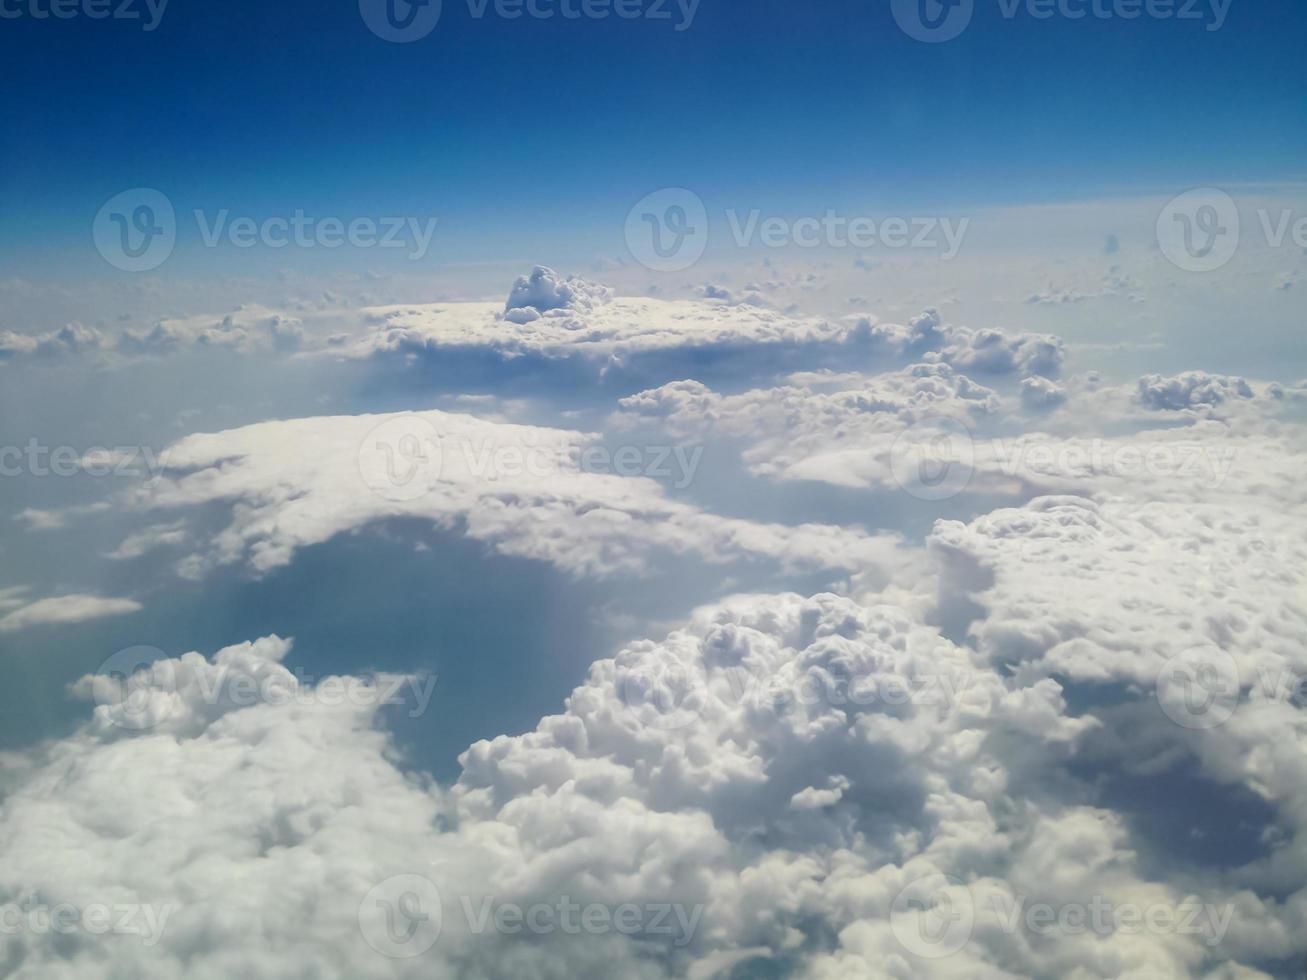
(863, 430)
(783, 771)
(532, 492)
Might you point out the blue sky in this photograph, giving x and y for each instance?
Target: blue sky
(805, 577)
(522, 131)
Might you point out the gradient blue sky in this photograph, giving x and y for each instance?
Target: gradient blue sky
(525, 131)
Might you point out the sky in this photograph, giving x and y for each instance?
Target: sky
(518, 132)
(814, 490)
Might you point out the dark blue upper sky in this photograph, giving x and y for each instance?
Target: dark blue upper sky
(511, 127)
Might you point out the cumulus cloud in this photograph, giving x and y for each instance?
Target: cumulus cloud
(531, 492)
(1040, 394)
(781, 770)
(1190, 390)
(69, 340)
(868, 431)
(545, 292)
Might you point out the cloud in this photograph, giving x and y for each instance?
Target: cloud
(71, 608)
(550, 494)
(72, 339)
(1192, 389)
(545, 292)
(1040, 394)
(781, 770)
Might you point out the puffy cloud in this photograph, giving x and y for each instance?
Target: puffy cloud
(782, 771)
(249, 328)
(1192, 389)
(544, 291)
(867, 430)
(587, 321)
(1040, 394)
(69, 340)
(549, 494)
